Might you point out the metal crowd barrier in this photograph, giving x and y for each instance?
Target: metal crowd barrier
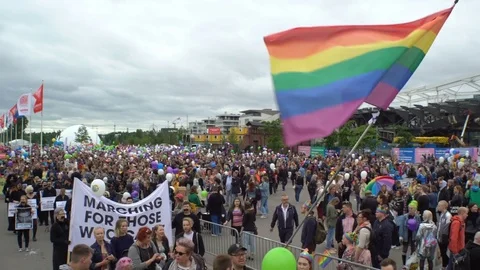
(219, 242)
(258, 246)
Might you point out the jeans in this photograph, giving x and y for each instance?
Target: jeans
(359, 201)
(249, 241)
(26, 235)
(330, 235)
(215, 228)
(229, 197)
(264, 206)
(298, 191)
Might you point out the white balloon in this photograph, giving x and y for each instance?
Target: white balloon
(272, 166)
(346, 176)
(98, 187)
(126, 195)
(451, 151)
(169, 177)
(441, 160)
(105, 179)
(450, 159)
(161, 172)
(363, 174)
(264, 153)
(173, 153)
(226, 173)
(353, 155)
(467, 153)
(356, 161)
(460, 164)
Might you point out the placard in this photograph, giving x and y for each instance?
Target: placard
(24, 218)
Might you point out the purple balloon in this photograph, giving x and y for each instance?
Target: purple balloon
(252, 172)
(175, 171)
(135, 194)
(10, 163)
(169, 169)
(412, 224)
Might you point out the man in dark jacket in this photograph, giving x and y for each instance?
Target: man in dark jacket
(287, 217)
(309, 230)
(383, 229)
(370, 202)
(215, 204)
(474, 249)
(346, 222)
(177, 222)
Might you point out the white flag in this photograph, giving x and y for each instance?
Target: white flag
(374, 118)
(24, 105)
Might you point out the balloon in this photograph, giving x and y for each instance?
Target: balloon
(346, 176)
(54, 140)
(467, 153)
(272, 166)
(98, 187)
(441, 160)
(169, 177)
(169, 169)
(135, 194)
(363, 174)
(173, 153)
(160, 166)
(252, 172)
(204, 194)
(450, 159)
(460, 164)
(175, 171)
(462, 159)
(279, 258)
(264, 153)
(353, 155)
(412, 224)
(161, 172)
(452, 151)
(126, 195)
(356, 161)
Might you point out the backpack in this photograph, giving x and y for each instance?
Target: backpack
(320, 233)
(371, 242)
(430, 241)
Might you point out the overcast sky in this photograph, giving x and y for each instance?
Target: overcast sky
(138, 63)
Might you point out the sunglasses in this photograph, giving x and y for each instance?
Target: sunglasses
(179, 253)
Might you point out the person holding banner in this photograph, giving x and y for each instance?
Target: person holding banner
(48, 192)
(59, 237)
(122, 241)
(23, 222)
(33, 196)
(102, 258)
(144, 253)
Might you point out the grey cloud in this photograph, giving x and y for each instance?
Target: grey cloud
(135, 63)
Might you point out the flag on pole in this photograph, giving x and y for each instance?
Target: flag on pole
(24, 105)
(13, 114)
(322, 75)
(374, 118)
(38, 100)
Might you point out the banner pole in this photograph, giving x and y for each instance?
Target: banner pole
(321, 194)
(41, 121)
(22, 129)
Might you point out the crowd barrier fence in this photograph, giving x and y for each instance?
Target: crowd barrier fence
(257, 246)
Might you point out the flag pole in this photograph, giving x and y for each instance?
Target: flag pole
(22, 129)
(41, 122)
(321, 194)
(16, 133)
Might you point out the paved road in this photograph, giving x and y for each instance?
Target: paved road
(39, 258)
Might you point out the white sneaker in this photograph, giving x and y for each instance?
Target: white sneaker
(27, 250)
(20, 249)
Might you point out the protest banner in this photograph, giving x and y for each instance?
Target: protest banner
(90, 211)
(12, 208)
(47, 203)
(23, 218)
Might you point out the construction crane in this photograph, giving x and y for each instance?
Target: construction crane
(176, 121)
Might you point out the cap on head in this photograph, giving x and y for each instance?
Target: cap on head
(233, 249)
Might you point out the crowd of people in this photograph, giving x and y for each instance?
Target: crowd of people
(431, 212)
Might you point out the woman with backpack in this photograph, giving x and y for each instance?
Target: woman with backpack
(427, 240)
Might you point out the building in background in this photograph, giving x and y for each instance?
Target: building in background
(258, 115)
(226, 121)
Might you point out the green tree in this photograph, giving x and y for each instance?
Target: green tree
(232, 137)
(273, 132)
(345, 136)
(402, 132)
(81, 136)
(331, 141)
(370, 140)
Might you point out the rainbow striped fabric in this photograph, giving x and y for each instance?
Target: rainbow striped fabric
(324, 260)
(322, 75)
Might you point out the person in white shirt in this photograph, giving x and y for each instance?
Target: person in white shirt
(443, 230)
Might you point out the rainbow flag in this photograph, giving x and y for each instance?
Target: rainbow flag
(322, 75)
(324, 259)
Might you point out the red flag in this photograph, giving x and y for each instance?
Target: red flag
(2, 121)
(13, 113)
(38, 95)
